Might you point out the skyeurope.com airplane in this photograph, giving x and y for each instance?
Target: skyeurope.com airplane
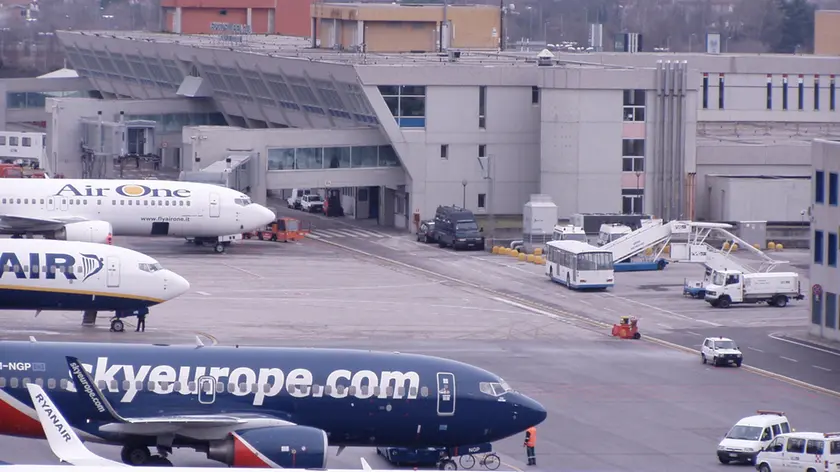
(95, 210)
(258, 407)
(45, 275)
(68, 448)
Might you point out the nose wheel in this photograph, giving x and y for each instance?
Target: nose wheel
(117, 325)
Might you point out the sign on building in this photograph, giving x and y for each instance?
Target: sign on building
(713, 43)
(230, 32)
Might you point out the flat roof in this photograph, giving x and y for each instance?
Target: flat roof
(292, 46)
(763, 133)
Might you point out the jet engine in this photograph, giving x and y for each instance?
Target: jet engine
(288, 447)
(86, 231)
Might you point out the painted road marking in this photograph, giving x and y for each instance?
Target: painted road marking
(779, 338)
(531, 306)
(662, 310)
(754, 349)
(788, 359)
(693, 333)
(202, 293)
(821, 368)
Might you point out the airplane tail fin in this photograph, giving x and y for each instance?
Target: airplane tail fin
(365, 465)
(93, 401)
(63, 441)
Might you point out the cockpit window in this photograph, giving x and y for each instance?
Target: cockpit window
(150, 267)
(494, 389)
(242, 201)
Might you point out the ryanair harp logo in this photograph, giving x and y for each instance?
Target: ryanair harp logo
(91, 265)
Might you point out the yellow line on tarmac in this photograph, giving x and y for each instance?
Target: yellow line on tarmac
(557, 314)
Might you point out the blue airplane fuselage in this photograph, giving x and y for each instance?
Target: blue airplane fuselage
(359, 398)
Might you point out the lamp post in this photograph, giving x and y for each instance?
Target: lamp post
(464, 184)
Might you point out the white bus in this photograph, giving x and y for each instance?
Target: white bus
(579, 265)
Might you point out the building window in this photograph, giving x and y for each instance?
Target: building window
(722, 90)
(632, 201)
(633, 155)
(832, 249)
(482, 107)
(833, 190)
(769, 92)
(819, 187)
(831, 310)
(444, 151)
(816, 308)
(407, 104)
(784, 92)
(482, 150)
(482, 200)
(816, 92)
(535, 95)
(818, 247)
(801, 92)
(705, 90)
(634, 105)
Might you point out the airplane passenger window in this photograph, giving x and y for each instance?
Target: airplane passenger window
(208, 387)
(101, 384)
(63, 384)
(4, 201)
(99, 202)
(377, 390)
(176, 386)
(401, 391)
(39, 382)
(150, 387)
(351, 390)
(181, 203)
(339, 389)
(364, 389)
(13, 382)
(52, 270)
(424, 391)
(114, 384)
(122, 202)
(77, 201)
(126, 385)
(42, 201)
(84, 202)
(243, 388)
(71, 201)
(25, 381)
(328, 389)
(231, 387)
(113, 202)
(2, 382)
(16, 268)
(188, 203)
(389, 391)
(18, 200)
(51, 384)
(220, 387)
(255, 388)
(163, 385)
(26, 201)
(316, 389)
(145, 203)
(191, 386)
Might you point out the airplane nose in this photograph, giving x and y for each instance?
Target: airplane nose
(531, 411)
(264, 215)
(175, 285)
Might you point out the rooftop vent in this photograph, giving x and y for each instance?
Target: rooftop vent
(454, 55)
(545, 58)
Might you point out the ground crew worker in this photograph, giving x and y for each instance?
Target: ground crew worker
(141, 322)
(530, 443)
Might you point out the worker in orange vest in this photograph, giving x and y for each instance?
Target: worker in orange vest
(530, 443)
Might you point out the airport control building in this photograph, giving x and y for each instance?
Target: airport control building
(383, 105)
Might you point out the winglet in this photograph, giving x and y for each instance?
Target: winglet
(198, 342)
(95, 405)
(365, 465)
(63, 441)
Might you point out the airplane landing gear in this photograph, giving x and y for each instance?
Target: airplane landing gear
(117, 325)
(219, 248)
(447, 464)
(132, 454)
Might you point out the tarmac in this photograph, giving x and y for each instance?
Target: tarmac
(617, 405)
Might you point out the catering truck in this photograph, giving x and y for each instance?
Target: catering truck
(730, 287)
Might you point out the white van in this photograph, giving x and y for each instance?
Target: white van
(611, 232)
(801, 452)
(568, 233)
(750, 435)
(297, 194)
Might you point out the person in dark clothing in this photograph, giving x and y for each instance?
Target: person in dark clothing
(141, 323)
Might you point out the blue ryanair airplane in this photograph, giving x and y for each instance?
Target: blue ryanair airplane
(42, 274)
(255, 406)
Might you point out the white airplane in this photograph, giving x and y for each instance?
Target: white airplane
(95, 210)
(41, 274)
(67, 446)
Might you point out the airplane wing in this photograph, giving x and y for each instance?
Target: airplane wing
(99, 408)
(63, 441)
(26, 223)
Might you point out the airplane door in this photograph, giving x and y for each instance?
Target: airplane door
(206, 390)
(113, 271)
(63, 204)
(214, 205)
(446, 394)
(50, 204)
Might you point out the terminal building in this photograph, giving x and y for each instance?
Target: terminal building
(446, 118)
(825, 228)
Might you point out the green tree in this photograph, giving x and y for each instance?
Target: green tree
(796, 29)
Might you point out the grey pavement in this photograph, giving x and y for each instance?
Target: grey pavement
(613, 405)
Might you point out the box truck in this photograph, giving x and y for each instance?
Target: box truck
(731, 287)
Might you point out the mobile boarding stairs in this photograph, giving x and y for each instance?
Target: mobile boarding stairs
(687, 241)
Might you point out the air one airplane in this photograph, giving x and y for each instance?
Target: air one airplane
(42, 274)
(67, 446)
(254, 406)
(96, 210)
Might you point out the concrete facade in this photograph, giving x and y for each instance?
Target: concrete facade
(23, 101)
(732, 198)
(825, 231)
(827, 32)
(602, 132)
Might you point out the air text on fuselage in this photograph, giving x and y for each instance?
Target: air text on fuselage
(270, 381)
(127, 190)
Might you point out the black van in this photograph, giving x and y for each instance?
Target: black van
(456, 227)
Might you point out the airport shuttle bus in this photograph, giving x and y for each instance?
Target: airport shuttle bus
(578, 265)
